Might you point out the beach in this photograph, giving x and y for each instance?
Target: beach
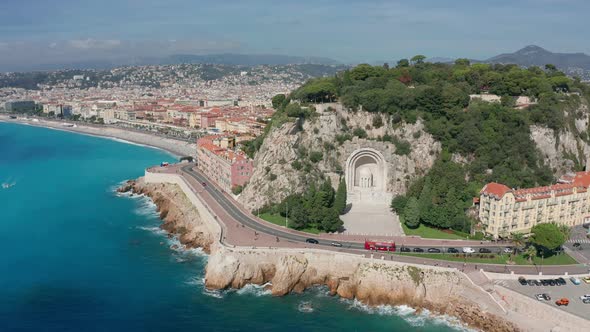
(178, 148)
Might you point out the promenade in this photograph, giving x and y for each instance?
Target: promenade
(241, 228)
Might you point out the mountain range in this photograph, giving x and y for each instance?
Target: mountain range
(533, 55)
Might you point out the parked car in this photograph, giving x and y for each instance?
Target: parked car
(310, 240)
(586, 280)
(537, 282)
(540, 297)
(484, 251)
(530, 282)
(585, 296)
(545, 282)
(560, 281)
(586, 301)
(468, 250)
(433, 250)
(508, 250)
(452, 250)
(575, 281)
(546, 297)
(405, 249)
(336, 244)
(563, 301)
(551, 282)
(522, 281)
(418, 250)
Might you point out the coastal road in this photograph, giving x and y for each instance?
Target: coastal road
(357, 245)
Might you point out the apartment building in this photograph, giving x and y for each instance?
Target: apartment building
(217, 159)
(503, 210)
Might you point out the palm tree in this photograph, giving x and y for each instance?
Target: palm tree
(530, 253)
(518, 240)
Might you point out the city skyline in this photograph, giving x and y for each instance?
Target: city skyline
(34, 33)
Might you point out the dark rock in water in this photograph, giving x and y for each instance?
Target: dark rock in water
(126, 187)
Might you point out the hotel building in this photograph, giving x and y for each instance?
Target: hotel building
(503, 210)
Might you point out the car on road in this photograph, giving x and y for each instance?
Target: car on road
(405, 249)
(310, 240)
(418, 250)
(522, 281)
(336, 244)
(586, 280)
(453, 250)
(585, 296)
(586, 301)
(575, 281)
(543, 297)
(508, 250)
(484, 251)
(562, 301)
(560, 281)
(468, 250)
(433, 250)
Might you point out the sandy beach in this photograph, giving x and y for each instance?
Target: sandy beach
(177, 148)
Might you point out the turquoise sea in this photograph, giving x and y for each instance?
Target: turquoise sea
(77, 257)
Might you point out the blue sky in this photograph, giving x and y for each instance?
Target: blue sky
(46, 31)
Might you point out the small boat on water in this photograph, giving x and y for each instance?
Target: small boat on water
(7, 185)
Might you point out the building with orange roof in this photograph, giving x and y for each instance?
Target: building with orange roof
(503, 210)
(218, 161)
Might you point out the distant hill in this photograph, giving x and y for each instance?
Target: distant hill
(217, 59)
(247, 59)
(532, 55)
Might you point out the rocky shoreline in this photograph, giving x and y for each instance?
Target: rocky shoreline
(373, 282)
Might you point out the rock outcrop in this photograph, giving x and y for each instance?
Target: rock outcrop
(372, 282)
(568, 149)
(178, 214)
(330, 132)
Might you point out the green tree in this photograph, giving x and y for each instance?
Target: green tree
(398, 203)
(547, 236)
(412, 213)
(340, 199)
(462, 62)
(403, 63)
(331, 220)
(278, 101)
(418, 59)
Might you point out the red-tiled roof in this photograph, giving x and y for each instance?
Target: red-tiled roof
(496, 189)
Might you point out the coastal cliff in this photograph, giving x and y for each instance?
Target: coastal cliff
(179, 216)
(284, 270)
(373, 282)
(287, 152)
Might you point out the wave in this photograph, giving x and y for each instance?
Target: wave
(409, 314)
(147, 208)
(154, 230)
(218, 294)
(305, 307)
(255, 290)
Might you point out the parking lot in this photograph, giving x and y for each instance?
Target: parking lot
(570, 291)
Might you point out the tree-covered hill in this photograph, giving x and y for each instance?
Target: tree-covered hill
(492, 141)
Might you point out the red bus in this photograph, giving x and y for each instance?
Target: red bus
(379, 246)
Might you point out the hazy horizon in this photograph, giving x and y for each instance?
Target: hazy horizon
(35, 32)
